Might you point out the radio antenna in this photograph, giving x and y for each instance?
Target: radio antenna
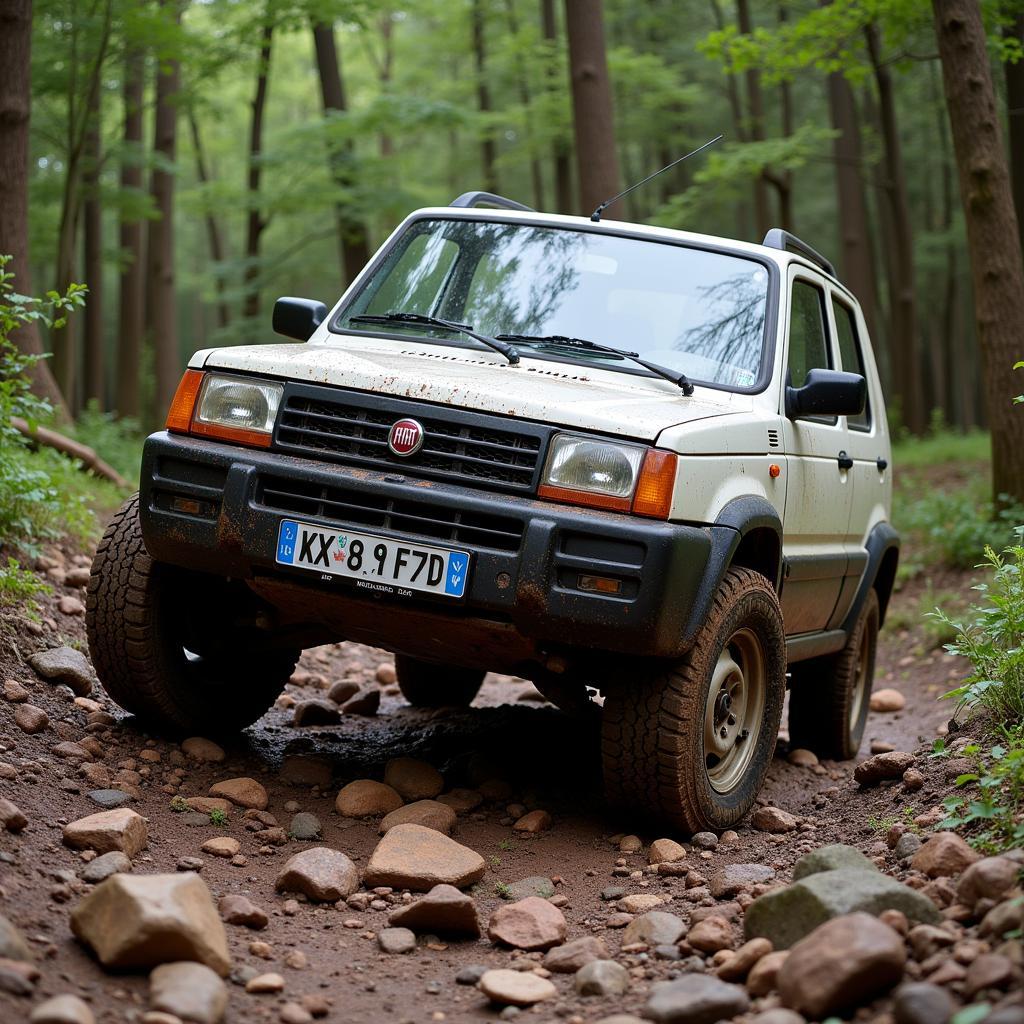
(596, 215)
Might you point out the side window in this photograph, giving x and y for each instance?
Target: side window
(808, 339)
(851, 355)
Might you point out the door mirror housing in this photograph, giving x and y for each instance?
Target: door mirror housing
(298, 318)
(827, 393)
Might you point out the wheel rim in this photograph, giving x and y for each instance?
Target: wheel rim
(734, 711)
(860, 679)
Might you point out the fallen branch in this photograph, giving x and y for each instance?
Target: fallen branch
(69, 446)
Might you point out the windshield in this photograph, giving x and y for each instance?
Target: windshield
(693, 310)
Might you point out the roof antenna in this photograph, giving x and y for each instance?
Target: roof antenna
(596, 215)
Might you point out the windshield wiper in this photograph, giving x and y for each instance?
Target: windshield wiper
(561, 341)
(508, 351)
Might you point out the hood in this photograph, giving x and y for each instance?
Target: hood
(572, 395)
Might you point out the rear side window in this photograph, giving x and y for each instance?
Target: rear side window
(851, 355)
(808, 339)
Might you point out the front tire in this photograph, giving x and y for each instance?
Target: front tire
(428, 684)
(691, 743)
(164, 645)
(830, 697)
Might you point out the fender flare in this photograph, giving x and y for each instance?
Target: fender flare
(880, 573)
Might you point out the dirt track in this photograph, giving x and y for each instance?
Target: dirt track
(548, 759)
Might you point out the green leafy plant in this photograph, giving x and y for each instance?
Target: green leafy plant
(179, 804)
(994, 640)
(218, 817)
(118, 441)
(503, 890)
(18, 585)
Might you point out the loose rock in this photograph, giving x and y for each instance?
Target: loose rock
(202, 749)
(773, 819)
(882, 767)
(665, 851)
(121, 829)
(11, 817)
(63, 1009)
(695, 999)
(30, 719)
(418, 858)
(305, 827)
(366, 703)
(530, 924)
(739, 965)
(315, 712)
(533, 821)
(12, 944)
(844, 963)
(190, 991)
(943, 855)
(133, 921)
(711, 935)
(831, 858)
(655, 928)
(444, 911)
(396, 940)
(104, 866)
(243, 792)
(222, 846)
(364, 797)
(321, 874)
(240, 910)
(64, 665)
(516, 988)
(428, 813)
(735, 878)
(570, 957)
(921, 1003)
(887, 701)
(413, 779)
(601, 978)
(990, 878)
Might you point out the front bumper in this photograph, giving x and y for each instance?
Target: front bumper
(216, 508)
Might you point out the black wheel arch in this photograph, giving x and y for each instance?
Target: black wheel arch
(883, 548)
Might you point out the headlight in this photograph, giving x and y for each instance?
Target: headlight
(239, 403)
(599, 468)
(230, 408)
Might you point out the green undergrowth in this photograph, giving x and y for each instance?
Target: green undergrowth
(941, 447)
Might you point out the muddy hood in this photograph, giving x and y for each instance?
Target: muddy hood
(566, 394)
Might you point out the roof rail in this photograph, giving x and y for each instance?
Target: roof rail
(779, 239)
(468, 199)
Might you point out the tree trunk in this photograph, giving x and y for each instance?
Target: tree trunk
(597, 159)
(560, 149)
(993, 241)
(855, 246)
(903, 326)
(1014, 74)
(386, 24)
(523, 88)
(755, 122)
(15, 106)
(353, 245)
(162, 312)
(256, 223)
(131, 318)
(214, 237)
(93, 382)
(488, 149)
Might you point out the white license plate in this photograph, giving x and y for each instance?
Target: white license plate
(376, 563)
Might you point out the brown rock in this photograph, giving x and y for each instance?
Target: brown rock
(321, 874)
(655, 928)
(887, 701)
(15, 692)
(739, 965)
(343, 690)
(428, 813)
(30, 719)
(882, 767)
(315, 712)
(189, 991)
(988, 971)
(365, 797)
(764, 975)
(243, 792)
(140, 921)
(222, 846)
(265, 984)
(843, 963)
(418, 858)
(640, 902)
(366, 703)
(202, 749)
(69, 751)
(64, 665)
(208, 804)
(121, 829)
(943, 855)
(462, 801)
(802, 758)
(913, 779)
(516, 988)
(711, 935)
(533, 821)
(529, 924)
(773, 819)
(443, 911)
(990, 878)
(570, 957)
(413, 779)
(665, 851)
(240, 910)
(11, 817)
(63, 1009)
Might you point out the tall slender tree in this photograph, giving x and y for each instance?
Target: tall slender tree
(130, 313)
(597, 158)
(993, 240)
(560, 155)
(488, 147)
(353, 243)
(93, 378)
(214, 234)
(755, 122)
(15, 107)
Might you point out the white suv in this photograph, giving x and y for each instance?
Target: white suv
(602, 456)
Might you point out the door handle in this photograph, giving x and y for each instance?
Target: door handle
(845, 462)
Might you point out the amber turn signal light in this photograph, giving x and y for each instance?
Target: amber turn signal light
(657, 482)
(179, 417)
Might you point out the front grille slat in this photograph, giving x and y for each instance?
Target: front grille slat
(475, 449)
(352, 506)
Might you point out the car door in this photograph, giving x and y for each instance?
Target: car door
(866, 445)
(819, 495)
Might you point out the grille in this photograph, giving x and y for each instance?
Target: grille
(773, 439)
(456, 445)
(357, 507)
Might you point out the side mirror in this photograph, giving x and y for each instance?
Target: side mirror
(827, 393)
(298, 318)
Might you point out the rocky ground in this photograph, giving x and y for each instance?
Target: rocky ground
(156, 881)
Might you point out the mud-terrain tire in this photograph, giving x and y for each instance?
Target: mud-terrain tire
(656, 752)
(141, 614)
(830, 697)
(428, 684)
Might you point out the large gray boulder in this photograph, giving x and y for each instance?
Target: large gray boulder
(831, 858)
(785, 916)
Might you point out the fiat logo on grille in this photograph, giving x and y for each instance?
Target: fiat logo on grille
(405, 437)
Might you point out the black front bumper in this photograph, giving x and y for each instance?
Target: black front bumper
(217, 508)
